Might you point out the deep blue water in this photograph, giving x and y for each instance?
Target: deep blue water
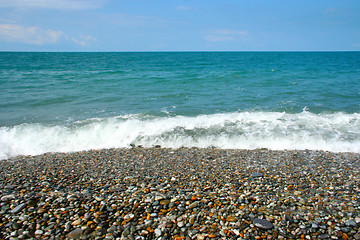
(278, 100)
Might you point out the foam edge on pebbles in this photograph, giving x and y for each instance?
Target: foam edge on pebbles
(185, 193)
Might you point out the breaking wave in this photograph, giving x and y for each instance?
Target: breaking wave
(337, 132)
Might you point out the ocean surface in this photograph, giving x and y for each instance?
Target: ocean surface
(63, 102)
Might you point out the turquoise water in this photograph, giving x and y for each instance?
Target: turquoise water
(53, 102)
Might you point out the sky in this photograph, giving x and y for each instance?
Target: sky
(179, 25)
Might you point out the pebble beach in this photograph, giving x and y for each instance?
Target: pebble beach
(184, 193)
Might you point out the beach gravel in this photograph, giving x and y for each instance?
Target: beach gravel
(185, 193)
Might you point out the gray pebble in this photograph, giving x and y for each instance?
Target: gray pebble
(18, 208)
(75, 233)
(351, 223)
(262, 224)
(324, 236)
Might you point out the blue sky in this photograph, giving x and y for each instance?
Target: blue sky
(179, 25)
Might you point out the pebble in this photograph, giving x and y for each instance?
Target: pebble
(351, 223)
(41, 210)
(185, 193)
(324, 236)
(180, 224)
(18, 208)
(39, 232)
(158, 232)
(7, 197)
(231, 219)
(75, 233)
(262, 223)
(164, 202)
(76, 222)
(193, 205)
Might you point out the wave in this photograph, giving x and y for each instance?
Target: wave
(337, 132)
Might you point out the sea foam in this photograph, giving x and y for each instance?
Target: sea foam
(337, 132)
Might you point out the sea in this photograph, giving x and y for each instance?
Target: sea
(65, 102)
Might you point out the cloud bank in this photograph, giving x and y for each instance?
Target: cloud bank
(29, 35)
(54, 4)
(83, 40)
(37, 36)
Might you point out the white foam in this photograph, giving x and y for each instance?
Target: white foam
(338, 132)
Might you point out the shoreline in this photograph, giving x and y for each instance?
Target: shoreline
(183, 193)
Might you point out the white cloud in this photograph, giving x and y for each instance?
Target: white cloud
(7, 20)
(221, 35)
(83, 40)
(54, 4)
(29, 35)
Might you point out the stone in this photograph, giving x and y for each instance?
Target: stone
(194, 205)
(164, 202)
(41, 210)
(39, 232)
(201, 237)
(262, 224)
(16, 225)
(32, 202)
(289, 218)
(324, 236)
(75, 233)
(237, 232)
(99, 199)
(192, 219)
(159, 197)
(7, 197)
(9, 187)
(231, 219)
(255, 175)
(18, 208)
(76, 222)
(314, 225)
(158, 232)
(226, 210)
(126, 232)
(351, 223)
(72, 198)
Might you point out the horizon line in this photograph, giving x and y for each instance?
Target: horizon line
(176, 51)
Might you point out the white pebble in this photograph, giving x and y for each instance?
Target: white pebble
(158, 232)
(39, 232)
(180, 224)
